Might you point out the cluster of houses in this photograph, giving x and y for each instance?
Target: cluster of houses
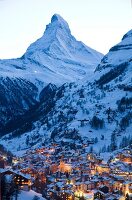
(73, 174)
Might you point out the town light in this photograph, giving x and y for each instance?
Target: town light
(4, 157)
(79, 194)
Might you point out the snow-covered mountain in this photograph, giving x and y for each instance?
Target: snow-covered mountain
(118, 54)
(57, 57)
(94, 110)
(60, 54)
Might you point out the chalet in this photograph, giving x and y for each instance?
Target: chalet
(103, 168)
(91, 157)
(83, 122)
(89, 185)
(99, 194)
(126, 156)
(66, 195)
(127, 187)
(79, 186)
(23, 181)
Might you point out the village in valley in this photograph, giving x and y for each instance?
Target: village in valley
(65, 100)
(68, 173)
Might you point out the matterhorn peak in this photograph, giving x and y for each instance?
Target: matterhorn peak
(57, 23)
(58, 18)
(59, 51)
(57, 29)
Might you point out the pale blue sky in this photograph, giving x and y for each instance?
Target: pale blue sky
(98, 23)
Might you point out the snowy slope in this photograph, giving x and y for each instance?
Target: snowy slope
(122, 51)
(29, 195)
(107, 96)
(118, 54)
(57, 57)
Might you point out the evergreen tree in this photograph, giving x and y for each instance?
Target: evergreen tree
(113, 145)
(91, 149)
(104, 149)
(126, 141)
(96, 140)
(127, 197)
(108, 148)
(97, 123)
(108, 112)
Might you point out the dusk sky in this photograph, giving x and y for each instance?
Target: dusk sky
(100, 24)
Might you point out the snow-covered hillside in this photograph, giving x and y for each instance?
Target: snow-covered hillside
(57, 57)
(29, 195)
(118, 54)
(96, 110)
